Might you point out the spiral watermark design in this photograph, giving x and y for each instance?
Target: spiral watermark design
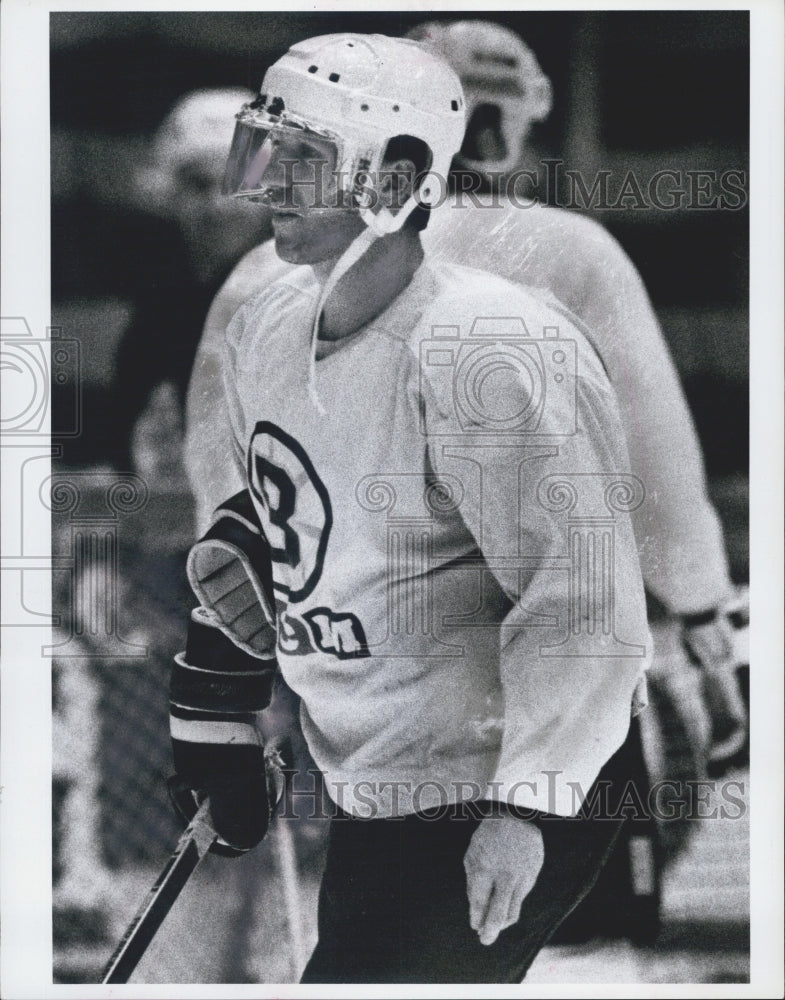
(60, 496)
(444, 496)
(128, 495)
(625, 495)
(376, 494)
(557, 495)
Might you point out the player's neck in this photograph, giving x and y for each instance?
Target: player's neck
(371, 284)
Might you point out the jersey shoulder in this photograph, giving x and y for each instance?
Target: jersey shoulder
(443, 294)
(466, 295)
(273, 308)
(587, 239)
(536, 217)
(256, 270)
(533, 242)
(474, 314)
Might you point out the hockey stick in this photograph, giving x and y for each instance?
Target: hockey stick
(290, 879)
(191, 848)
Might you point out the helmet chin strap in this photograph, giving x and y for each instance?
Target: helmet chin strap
(356, 249)
(380, 223)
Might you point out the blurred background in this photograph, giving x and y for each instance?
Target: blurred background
(135, 265)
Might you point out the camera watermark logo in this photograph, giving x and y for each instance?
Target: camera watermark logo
(34, 367)
(501, 378)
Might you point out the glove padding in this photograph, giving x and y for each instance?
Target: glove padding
(223, 678)
(230, 571)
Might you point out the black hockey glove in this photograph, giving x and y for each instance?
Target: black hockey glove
(223, 678)
(216, 690)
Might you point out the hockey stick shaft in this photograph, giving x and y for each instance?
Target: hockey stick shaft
(287, 864)
(191, 848)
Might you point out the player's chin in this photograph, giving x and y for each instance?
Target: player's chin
(289, 246)
(288, 252)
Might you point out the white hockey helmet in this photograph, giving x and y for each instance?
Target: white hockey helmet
(356, 92)
(502, 81)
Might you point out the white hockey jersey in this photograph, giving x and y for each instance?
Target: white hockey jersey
(459, 599)
(677, 530)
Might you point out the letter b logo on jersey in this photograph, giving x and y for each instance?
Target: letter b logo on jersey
(293, 507)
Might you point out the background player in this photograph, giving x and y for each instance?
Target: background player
(181, 184)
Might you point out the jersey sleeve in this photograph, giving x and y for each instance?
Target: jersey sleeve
(209, 460)
(678, 532)
(550, 512)
(235, 454)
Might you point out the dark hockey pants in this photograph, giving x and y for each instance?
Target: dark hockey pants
(393, 905)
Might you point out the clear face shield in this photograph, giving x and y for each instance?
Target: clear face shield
(283, 162)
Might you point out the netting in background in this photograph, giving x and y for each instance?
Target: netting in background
(123, 601)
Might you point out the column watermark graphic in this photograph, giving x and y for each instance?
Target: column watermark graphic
(592, 503)
(409, 507)
(93, 504)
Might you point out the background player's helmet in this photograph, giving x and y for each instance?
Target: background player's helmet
(504, 86)
(356, 92)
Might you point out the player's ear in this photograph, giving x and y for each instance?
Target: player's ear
(396, 183)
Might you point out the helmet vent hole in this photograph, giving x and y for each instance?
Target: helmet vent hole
(335, 77)
(396, 107)
(363, 107)
(312, 69)
(454, 105)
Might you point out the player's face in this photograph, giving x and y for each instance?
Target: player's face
(484, 139)
(500, 117)
(310, 224)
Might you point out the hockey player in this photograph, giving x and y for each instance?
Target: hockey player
(433, 541)
(203, 236)
(677, 530)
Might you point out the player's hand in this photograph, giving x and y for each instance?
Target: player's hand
(236, 781)
(715, 643)
(502, 863)
(216, 691)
